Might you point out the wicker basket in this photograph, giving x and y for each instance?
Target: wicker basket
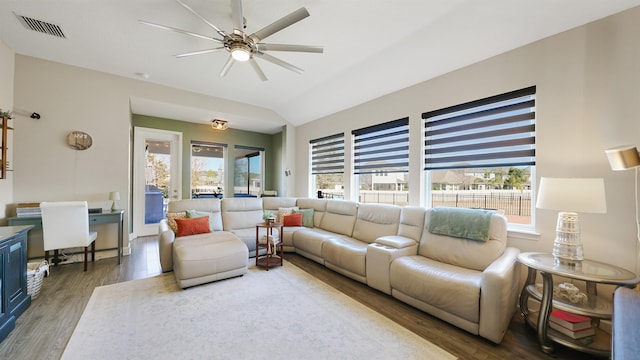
(35, 274)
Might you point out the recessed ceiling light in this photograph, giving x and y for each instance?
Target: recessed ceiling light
(143, 75)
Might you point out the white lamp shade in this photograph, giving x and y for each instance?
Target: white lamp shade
(114, 195)
(585, 195)
(623, 157)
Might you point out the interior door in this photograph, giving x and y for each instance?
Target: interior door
(156, 177)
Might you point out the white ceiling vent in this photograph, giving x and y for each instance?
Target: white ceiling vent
(41, 26)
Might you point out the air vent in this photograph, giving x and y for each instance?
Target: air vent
(41, 26)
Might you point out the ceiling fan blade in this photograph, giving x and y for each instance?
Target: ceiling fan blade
(285, 47)
(278, 25)
(236, 15)
(220, 32)
(256, 67)
(180, 31)
(227, 66)
(206, 51)
(277, 61)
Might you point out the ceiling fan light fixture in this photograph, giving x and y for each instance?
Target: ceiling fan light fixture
(240, 52)
(219, 124)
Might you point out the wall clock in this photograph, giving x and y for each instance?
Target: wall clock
(79, 140)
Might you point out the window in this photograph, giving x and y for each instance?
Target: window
(207, 169)
(381, 162)
(481, 154)
(248, 176)
(327, 166)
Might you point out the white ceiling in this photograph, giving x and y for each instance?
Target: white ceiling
(371, 47)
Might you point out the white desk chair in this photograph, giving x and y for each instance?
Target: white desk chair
(65, 224)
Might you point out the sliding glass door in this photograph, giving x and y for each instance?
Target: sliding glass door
(248, 170)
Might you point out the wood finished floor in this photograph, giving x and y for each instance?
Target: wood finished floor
(44, 329)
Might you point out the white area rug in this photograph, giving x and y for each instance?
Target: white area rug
(283, 313)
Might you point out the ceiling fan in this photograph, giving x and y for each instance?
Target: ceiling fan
(242, 46)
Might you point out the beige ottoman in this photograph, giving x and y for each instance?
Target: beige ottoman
(203, 258)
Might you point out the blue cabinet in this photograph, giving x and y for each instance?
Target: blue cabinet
(14, 299)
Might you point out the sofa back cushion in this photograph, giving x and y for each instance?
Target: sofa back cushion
(470, 254)
(241, 213)
(339, 217)
(272, 204)
(319, 206)
(375, 220)
(411, 222)
(211, 206)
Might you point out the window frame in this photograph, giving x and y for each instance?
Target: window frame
(378, 151)
(326, 157)
(509, 141)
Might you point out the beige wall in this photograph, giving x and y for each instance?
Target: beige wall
(7, 63)
(588, 99)
(69, 98)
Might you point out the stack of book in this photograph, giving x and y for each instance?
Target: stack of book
(572, 325)
(28, 209)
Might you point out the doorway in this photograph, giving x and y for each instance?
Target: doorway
(157, 177)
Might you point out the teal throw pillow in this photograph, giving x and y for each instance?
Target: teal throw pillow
(197, 214)
(307, 217)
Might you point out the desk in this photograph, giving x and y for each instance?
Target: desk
(105, 217)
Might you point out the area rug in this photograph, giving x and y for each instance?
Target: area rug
(283, 313)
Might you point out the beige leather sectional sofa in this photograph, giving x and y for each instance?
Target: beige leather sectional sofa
(471, 284)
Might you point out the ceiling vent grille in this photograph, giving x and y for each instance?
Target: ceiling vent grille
(41, 26)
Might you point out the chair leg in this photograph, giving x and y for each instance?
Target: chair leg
(46, 256)
(93, 251)
(85, 258)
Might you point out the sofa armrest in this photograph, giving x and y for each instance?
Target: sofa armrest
(396, 242)
(498, 295)
(626, 316)
(165, 245)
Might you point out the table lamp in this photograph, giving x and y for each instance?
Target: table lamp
(571, 196)
(115, 196)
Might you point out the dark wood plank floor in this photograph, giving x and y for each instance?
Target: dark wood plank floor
(44, 329)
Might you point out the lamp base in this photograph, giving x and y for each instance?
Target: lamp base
(114, 206)
(567, 246)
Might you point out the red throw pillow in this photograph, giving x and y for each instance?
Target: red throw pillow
(192, 226)
(292, 220)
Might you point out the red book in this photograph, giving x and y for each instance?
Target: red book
(570, 321)
(578, 334)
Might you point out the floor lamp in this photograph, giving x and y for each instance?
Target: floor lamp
(571, 196)
(625, 158)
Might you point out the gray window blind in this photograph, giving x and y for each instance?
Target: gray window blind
(327, 155)
(497, 131)
(382, 148)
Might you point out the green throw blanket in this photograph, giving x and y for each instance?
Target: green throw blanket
(464, 223)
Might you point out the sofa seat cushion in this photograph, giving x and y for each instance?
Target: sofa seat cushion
(248, 236)
(201, 255)
(311, 240)
(453, 289)
(346, 253)
(287, 236)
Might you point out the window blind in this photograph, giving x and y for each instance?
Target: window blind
(497, 131)
(382, 148)
(327, 155)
